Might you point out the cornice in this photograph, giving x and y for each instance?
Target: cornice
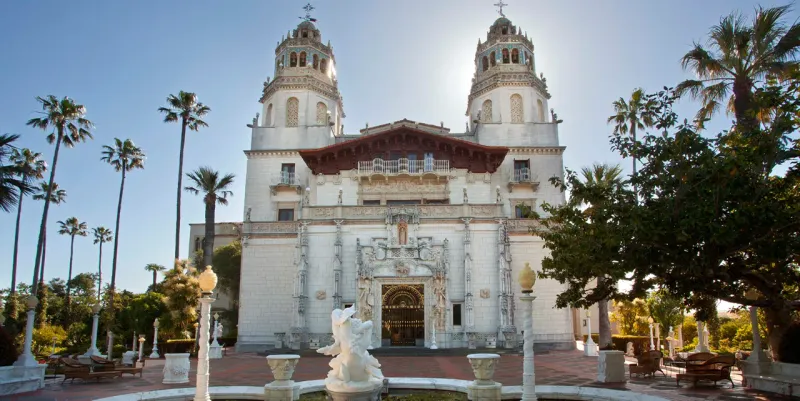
(308, 82)
(540, 150)
(254, 154)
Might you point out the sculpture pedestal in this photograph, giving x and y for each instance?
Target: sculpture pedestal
(369, 394)
(215, 351)
(283, 388)
(484, 388)
(176, 368)
(611, 367)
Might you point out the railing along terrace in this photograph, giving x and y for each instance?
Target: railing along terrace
(403, 166)
(284, 178)
(523, 175)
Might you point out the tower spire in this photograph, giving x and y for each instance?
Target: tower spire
(500, 6)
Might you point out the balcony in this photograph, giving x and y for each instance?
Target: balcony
(403, 167)
(523, 177)
(284, 180)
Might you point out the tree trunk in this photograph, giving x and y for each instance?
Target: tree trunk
(743, 104)
(100, 273)
(69, 275)
(604, 323)
(180, 190)
(116, 241)
(44, 258)
(155, 277)
(635, 192)
(16, 247)
(43, 225)
(778, 320)
(208, 241)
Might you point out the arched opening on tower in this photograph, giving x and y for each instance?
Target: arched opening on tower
(292, 112)
(515, 56)
(493, 59)
(315, 59)
(540, 110)
(517, 115)
(506, 59)
(485, 63)
(268, 116)
(323, 66)
(293, 60)
(486, 111)
(322, 113)
(302, 59)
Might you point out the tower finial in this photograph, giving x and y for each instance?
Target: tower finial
(308, 7)
(500, 5)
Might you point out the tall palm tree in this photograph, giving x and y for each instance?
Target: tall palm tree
(124, 156)
(632, 115)
(73, 228)
(57, 197)
(30, 166)
(66, 119)
(737, 57)
(184, 108)
(13, 186)
(215, 190)
(101, 235)
(155, 268)
(601, 176)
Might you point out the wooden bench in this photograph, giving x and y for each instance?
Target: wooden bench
(104, 365)
(714, 369)
(76, 370)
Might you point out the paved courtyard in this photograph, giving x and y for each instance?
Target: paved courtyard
(568, 368)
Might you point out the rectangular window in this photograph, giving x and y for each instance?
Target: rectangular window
(456, 314)
(519, 211)
(371, 202)
(428, 161)
(403, 202)
(285, 214)
(520, 164)
(287, 173)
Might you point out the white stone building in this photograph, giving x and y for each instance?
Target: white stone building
(416, 225)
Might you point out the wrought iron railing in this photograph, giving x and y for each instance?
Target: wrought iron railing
(524, 175)
(284, 178)
(403, 166)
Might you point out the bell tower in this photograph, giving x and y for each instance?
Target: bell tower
(507, 104)
(302, 106)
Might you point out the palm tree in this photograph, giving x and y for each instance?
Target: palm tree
(57, 196)
(101, 235)
(73, 228)
(601, 176)
(184, 108)
(740, 55)
(124, 156)
(13, 185)
(155, 268)
(70, 126)
(215, 190)
(30, 166)
(632, 115)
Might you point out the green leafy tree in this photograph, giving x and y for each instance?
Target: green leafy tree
(720, 219)
(71, 227)
(101, 236)
(738, 56)
(69, 127)
(183, 108)
(154, 268)
(47, 338)
(214, 189)
(182, 291)
(228, 266)
(124, 156)
(30, 166)
(631, 317)
(585, 236)
(666, 310)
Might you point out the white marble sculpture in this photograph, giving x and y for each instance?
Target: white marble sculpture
(353, 368)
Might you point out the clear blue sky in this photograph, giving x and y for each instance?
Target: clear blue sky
(395, 59)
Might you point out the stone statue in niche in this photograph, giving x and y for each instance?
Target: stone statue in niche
(402, 269)
(439, 291)
(466, 198)
(402, 232)
(425, 251)
(366, 299)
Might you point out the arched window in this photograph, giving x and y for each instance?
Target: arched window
(293, 60)
(517, 116)
(305, 33)
(316, 61)
(540, 110)
(505, 30)
(268, 117)
(323, 66)
(505, 56)
(486, 111)
(493, 59)
(292, 111)
(515, 56)
(485, 63)
(322, 113)
(302, 59)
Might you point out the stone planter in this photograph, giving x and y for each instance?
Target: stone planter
(176, 368)
(484, 388)
(21, 379)
(611, 367)
(215, 351)
(283, 388)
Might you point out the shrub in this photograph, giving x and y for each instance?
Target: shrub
(8, 351)
(45, 336)
(789, 348)
(118, 350)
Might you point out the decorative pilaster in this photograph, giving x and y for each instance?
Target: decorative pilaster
(337, 265)
(505, 294)
(300, 288)
(469, 303)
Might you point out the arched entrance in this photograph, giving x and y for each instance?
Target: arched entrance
(403, 314)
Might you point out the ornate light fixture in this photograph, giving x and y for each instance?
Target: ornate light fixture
(208, 280)
(96, 308)
(527, 278)
(31, 302)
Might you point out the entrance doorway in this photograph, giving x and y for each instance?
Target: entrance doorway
(403, 314)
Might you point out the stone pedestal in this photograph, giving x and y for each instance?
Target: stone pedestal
(215, 351)
(484, 388)
(362, 395)
(611, 367)
(176, 368)
(21, 379)
(283, 388)
(491, 341)
(128, 358)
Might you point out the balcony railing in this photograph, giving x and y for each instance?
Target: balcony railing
(284, 179)
(403, 166)
(523, 176)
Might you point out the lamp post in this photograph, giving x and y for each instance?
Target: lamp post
(650, 321)
(589, 347)
(95, 317)
(196, 330)
(757, 355)
(26, 358)
(141, 348)
(527, 278)
(208, 281)
(154, 354)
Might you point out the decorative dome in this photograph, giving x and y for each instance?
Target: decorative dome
(307, 25)
(501, 21)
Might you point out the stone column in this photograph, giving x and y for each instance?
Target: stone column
(337, 265)
(468, 297)
(701, 337)
(26, 359)
(590, 347)
(300, 293)
(652, 344)
(95, 317)
(110, 349)
(141, 348)
(201, 391)
(154, 354)
(528, 373)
